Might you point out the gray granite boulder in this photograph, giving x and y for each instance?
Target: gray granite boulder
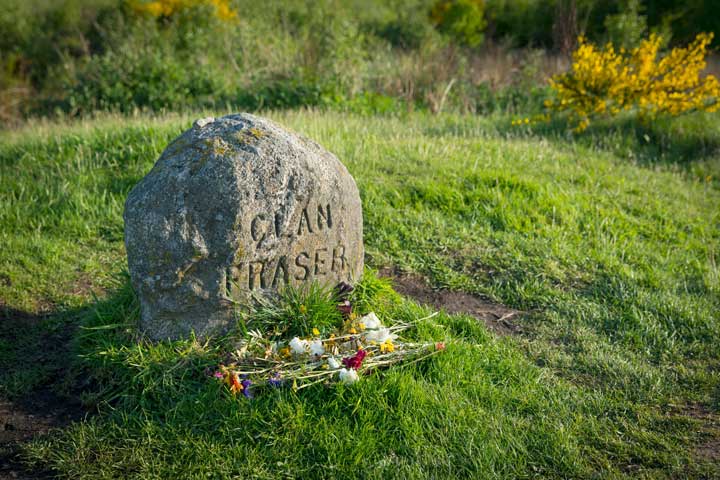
(237, 207)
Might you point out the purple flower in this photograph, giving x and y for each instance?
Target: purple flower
(275, 381)
(218, 374)
(246, 388)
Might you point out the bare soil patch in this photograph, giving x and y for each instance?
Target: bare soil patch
(709, 447)
(498, 318)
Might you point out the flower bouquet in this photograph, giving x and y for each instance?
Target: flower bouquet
(362, 345)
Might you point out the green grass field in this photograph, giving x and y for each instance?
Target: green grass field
(609, 241)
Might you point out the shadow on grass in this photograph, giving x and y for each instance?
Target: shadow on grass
(690, 143)
(42, 387)
(36, 395)
(679, 141)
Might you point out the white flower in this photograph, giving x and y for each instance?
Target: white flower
(348, 376)
(316, 347)
(298, 346)
(371, 321)
(333, 363)
(380, 335)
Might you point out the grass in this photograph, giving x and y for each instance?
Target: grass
(609, 240)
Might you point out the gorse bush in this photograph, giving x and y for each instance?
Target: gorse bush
(169, 8)
(608, 81)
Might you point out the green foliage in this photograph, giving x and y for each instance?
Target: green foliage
(408, 32)
(141, 78)
(374, 294)
(295, 313)
(462, 20)
(684, 19)
(523, 22)
(47, 33)
(522, 99)
(627, 28)
(369, 103)
(286, 93)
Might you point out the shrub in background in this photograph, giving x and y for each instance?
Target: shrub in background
(407, 32)
(607, 82)
(627, 28)
(15, 90)
(284, 93)
(145, 77)
(684, 19)
(45, 33)
(522, 22)
(462, 20)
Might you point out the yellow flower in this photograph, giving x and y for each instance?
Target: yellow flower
(352, 330)
(168, 8)
(303, 309)
(315, 331)
(602, 81)
(387, 346)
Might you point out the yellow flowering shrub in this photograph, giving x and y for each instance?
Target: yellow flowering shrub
(640, 80)
(169, 8)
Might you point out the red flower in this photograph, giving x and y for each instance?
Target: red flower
(440, 346)
(355, 361)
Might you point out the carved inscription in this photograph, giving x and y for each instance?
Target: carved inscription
(304, 266)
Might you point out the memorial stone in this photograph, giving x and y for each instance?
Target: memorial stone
(237, 207)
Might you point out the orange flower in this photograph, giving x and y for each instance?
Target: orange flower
(233, 381)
